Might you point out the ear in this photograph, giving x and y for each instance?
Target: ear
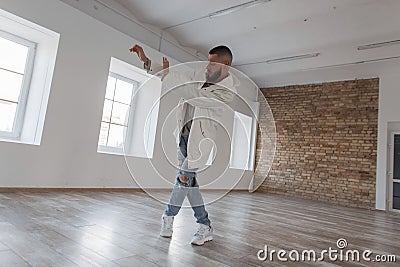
(226, 66)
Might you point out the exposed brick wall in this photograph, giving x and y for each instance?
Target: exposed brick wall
(326, 141)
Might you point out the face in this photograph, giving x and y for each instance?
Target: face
(216, 68)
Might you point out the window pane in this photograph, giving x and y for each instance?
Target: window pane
(12, 55)
(107, 110)
(240, 146)
(103, 134)
(110, 88)
(7, 115)
(120, 113)
(10, 85)
(123, 92)
(116, 136)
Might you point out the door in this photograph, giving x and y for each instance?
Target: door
(394, 173)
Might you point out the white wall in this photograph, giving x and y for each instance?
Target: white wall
(67, 156)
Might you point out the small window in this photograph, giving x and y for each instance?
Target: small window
(16, 64)
(116, 112)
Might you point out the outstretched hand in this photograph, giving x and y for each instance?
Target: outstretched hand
(142, 56)
(165, 63)
(139, 51)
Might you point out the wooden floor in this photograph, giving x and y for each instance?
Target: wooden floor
(121, 229)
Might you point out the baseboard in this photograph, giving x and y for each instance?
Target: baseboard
(65, 189)
(93, 189)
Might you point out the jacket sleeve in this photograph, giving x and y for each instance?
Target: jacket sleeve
(171, 79)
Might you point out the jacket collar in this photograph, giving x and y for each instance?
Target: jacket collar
(229, 82)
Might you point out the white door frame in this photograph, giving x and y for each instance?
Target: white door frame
(390, 173)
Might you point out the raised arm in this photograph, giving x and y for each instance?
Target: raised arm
(174, 78)
(207, 98)
(148, 65)
(140, 52)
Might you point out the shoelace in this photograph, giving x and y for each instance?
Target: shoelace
(165, 223)
(200, 231)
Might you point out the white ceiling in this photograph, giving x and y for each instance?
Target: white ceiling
(280, 28)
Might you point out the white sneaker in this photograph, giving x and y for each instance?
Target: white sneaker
(204, 233)
(167, 223)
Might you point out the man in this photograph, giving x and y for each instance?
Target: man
(198, 113)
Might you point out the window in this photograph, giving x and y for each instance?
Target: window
(116, 112)
(130, 112)
(27, 59)
(16, 63)
(243, 140)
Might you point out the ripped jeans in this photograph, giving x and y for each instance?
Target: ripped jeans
(190, 189)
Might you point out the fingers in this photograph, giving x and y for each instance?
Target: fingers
(165, 63)
(139, 51)
(183, 179)
(136, 49)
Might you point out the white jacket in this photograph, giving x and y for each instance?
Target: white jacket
(209, 103)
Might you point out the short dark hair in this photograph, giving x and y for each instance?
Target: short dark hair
(223, 52)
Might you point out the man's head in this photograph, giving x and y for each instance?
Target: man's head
(220, 59)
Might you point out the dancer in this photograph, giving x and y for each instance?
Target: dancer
(204, 99)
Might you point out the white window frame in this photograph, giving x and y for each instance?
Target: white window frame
(251, 140)
(15, 134)
(253, 114)
(127, 141)
(145, 103)
(34, 100)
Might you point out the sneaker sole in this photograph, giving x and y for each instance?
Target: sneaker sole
(166, 236)
(209, 238)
